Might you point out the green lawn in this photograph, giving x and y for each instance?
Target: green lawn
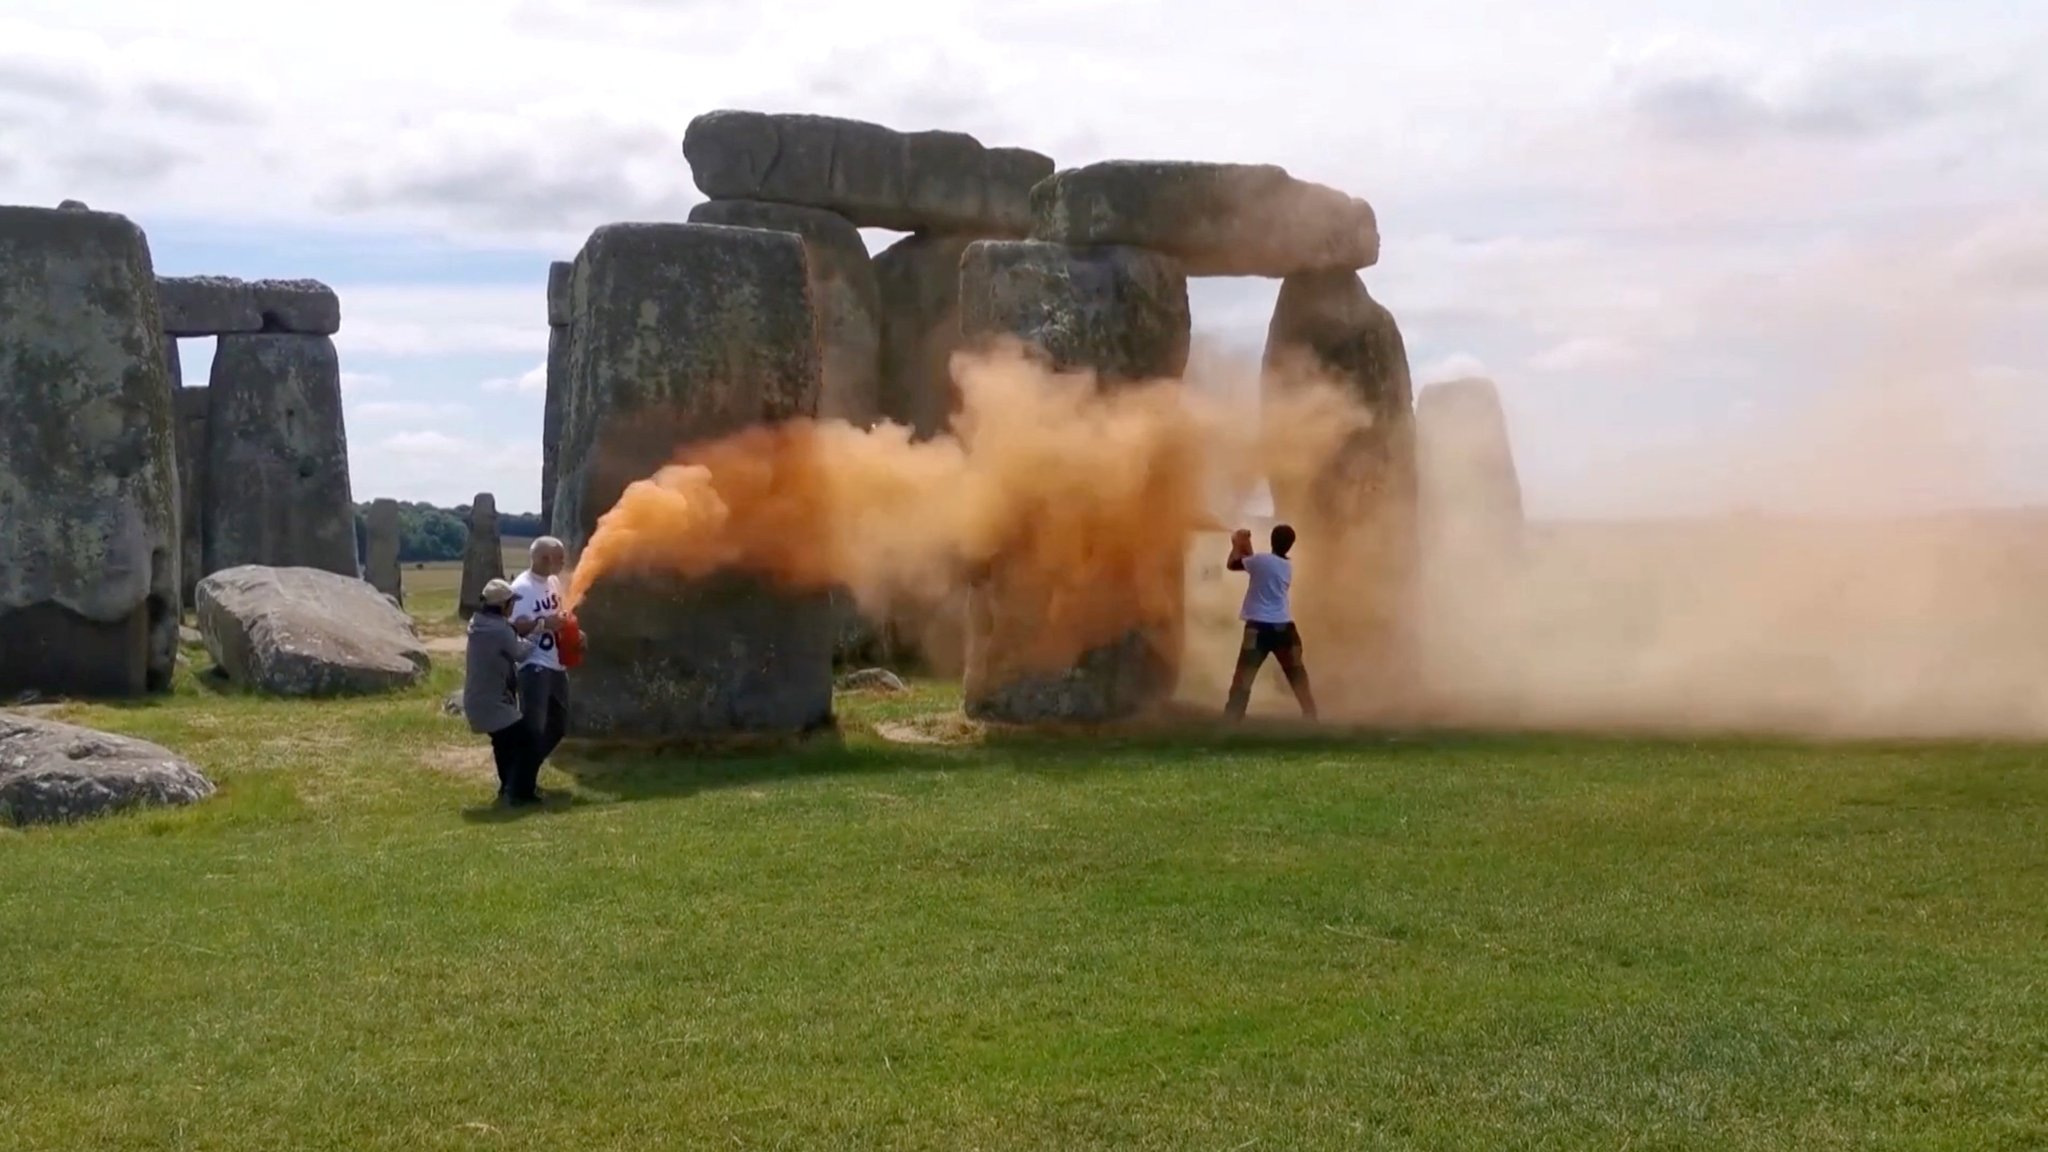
(1202, 941)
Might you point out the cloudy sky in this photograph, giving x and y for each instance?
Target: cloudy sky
(1665, 228)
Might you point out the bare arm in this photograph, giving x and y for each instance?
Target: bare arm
(1240, 547)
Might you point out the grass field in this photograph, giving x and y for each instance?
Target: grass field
(1197, 940)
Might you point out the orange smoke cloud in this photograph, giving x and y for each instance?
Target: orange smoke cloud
(1086, 496)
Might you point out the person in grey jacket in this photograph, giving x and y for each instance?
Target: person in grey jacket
(490, 693)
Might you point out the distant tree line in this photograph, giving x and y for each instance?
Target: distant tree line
(427, 533)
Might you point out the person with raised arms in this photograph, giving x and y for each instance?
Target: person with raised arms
(1268, 620)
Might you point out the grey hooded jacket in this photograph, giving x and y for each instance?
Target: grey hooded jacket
(490, 689)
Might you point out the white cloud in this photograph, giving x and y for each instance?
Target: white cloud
(1456, 366)
(401, 410)
(532, 382)
(410, 320)
(1639, 219)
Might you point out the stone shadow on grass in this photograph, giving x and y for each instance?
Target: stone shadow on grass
(629, 772)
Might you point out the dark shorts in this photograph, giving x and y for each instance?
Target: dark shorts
(1270, 639)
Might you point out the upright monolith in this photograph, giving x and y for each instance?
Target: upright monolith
(381, 539)
(189, 407)
(1121, 313)
(1357, 585)
(918, 278)
(277, 456)
(682, 332)
(483, 555)
(843, 291)
(557, 381)
(88, 465)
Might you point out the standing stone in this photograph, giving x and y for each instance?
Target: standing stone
(918, 278)
(559, 283)
(277, 490)
(172, 364)
(874, 176)
(1356, 584)
(843, 290)
(1122, 312)
(88, 462)
(381, 546)
(682, 332)
(483, 556)
(1470, 496)
(189, 407)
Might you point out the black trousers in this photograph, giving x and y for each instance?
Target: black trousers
(544, 705)
(512, 749)
(1281, 641)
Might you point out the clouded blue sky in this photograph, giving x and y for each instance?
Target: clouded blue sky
(1660, 227)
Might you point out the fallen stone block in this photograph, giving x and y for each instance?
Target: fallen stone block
(304, 632)
(53, 773)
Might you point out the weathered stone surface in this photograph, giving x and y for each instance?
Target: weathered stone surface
(843, 290)
(1470, 497)
(682, 332)
(1326, 327)
(307, 632)
(172, 364)
(918, 278)
(307, 307)
(189, 407)
(275, 426)
(559, 272)
(88, 464)
(207, 305)
(483, 555)
(380, 563)
(1123, 313)
(221, 305)
(874, 176)
(55, 773)
(551, 421)
(74, 206)
(1359, 510)
(1218, 219)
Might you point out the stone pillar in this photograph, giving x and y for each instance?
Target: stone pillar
(557, 386)
(1470, 497)
(1355, 583)
(189, 408)
(919, 282)
(277, 491)
(88, 467)
(683, 332)
(172, 364)
(381, 549)
(842, 279)
(483, 555)
(1122, 312)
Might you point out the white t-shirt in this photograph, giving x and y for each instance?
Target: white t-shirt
(1265, 601)
(538, 596)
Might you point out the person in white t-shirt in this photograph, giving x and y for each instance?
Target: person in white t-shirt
(543, 682)
(1268, 620)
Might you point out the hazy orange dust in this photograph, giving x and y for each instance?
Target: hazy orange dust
(1079, 491)
(1863, 615)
